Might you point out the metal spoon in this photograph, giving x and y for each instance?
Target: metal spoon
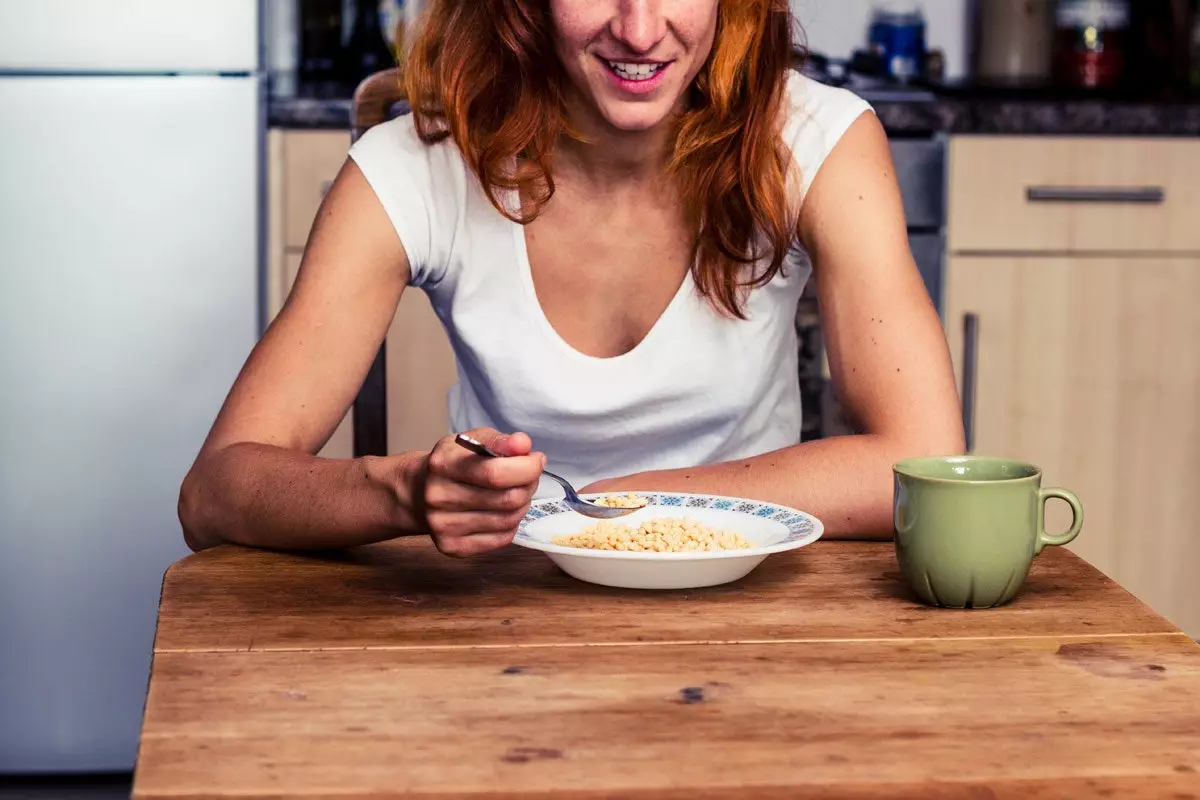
(572, 498)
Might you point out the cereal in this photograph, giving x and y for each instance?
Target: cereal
(661, 535)
(630, 500)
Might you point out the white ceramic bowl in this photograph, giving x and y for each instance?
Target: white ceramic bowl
(770, 528)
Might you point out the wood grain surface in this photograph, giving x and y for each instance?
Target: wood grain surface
(406, 594)
(1033, 717)
(394, 671)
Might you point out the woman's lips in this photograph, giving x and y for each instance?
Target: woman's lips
(636, 77)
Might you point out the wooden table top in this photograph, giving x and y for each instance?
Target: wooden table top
(392, 670)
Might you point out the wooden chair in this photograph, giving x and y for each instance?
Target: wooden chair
(377, 99)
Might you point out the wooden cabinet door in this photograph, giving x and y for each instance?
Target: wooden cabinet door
(1090, 368)
(421, 369)
(312, 159)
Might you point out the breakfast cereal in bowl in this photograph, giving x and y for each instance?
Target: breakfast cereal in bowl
(673, 540)
(629, 500)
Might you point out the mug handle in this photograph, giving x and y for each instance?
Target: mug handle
(1058, 540)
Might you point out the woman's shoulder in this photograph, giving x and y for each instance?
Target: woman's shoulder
(815, 118)
(422, 187)
(396, 144)
(809, 103)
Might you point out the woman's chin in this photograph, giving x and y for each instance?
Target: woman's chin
(634, 117)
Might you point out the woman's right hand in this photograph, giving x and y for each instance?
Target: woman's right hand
(470, 504)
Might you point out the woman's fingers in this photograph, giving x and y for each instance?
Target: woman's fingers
(448, 495)
(474, 504)
(517, 444)
(454, 462)
(464, 524)
(474, 545)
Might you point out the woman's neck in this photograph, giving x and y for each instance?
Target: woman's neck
(608, 157)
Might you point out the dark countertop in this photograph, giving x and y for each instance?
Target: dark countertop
(955, 111)
(313, 113)
(1030, 116)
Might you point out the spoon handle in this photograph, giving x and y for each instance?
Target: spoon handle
(569, 490)
(576, 503)
(480, 449)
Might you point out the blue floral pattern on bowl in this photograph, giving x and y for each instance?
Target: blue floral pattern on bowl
(799, 525)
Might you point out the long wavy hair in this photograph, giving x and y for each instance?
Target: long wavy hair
(485, 74)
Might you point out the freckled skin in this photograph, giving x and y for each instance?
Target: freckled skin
(677, 31)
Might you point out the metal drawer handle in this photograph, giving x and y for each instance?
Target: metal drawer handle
(1142, 195)
(970, 376)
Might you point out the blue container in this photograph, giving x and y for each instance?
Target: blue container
(899, 37)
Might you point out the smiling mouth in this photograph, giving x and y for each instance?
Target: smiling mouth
(635, 72)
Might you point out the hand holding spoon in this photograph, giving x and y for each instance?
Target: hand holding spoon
(572, 498)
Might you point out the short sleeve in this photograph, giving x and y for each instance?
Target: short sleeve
(414, 183)
(818, 117)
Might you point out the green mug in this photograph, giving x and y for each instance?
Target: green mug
(968, 527)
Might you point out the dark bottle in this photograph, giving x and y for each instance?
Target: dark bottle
(1194, 56)
(366, 51)
(1160, 43)
(320, 40)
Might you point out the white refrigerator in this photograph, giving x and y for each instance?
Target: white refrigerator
(131, 142)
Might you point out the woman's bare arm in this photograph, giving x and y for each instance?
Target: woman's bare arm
(257, 480)
(887, 353)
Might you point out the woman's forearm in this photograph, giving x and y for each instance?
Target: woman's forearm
(263, 496)
(845, 481)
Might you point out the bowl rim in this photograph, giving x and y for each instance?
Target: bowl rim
(818, 530)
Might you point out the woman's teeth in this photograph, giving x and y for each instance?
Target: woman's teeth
(635, 72)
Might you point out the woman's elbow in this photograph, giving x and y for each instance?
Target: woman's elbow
(191, 510)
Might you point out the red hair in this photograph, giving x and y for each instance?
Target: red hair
(482, 73)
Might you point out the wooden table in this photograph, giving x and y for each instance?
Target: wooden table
(392, 670)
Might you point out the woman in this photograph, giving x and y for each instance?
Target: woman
(614, 206)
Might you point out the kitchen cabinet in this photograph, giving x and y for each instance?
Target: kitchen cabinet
(1087, 359)
(1041, 194)
(420, 362)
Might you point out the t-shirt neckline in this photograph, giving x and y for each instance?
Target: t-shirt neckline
(659, 329)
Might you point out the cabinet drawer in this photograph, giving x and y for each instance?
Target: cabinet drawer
(1072, 195)
(312, 160)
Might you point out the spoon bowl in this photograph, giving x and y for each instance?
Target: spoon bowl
(571, 497)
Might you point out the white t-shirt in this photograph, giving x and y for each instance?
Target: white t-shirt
(700, 388)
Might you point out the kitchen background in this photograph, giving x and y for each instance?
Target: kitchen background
(159, 190)
(833, 28)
